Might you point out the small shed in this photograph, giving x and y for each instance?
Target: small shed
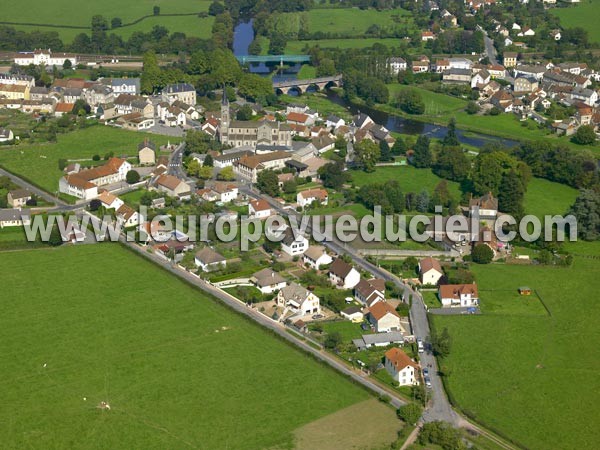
(524, 290)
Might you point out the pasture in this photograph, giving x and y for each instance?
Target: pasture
(545, 197)
(61, 12)
(38, 163)
(177, 368)
(527, 374)
(299, 47)
(585, 15)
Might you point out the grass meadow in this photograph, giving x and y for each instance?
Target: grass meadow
(86, 324)
(530, 375)
(585, 15)
(297, 47)
(38, 163)
(435, 103)
(63, 13)
(546, 197)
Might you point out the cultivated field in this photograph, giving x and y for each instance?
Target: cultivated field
(38, 163)
(63, 13)
(585, 15)
(88, 324)
(530, 375)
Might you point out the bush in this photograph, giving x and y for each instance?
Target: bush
(96, 158)
(482, 254)
(132, 177)
(410, 413)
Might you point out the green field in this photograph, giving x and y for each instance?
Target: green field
(530, 375)
(355, 21)
(410, 178)
(545, 197)
(297, 47)
(347, 330)
(585, 15)
(62, 12)
(38, 163)
(435, 103)
(177, 369)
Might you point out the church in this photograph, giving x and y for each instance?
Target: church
(237, 133)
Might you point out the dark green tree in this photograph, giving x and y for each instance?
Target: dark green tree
(482, 254)
(132, 177)
(422, 153)
(268, 183)
(511, 194)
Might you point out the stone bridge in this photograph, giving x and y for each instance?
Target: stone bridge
(302, 85)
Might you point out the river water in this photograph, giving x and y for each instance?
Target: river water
(243, 37)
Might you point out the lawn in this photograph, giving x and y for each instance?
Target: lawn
(585, 15)
(410, 178)
(178, 369)
(38, 163)
(545, 197)
(527, 374)
(354, 21)
(347, 330)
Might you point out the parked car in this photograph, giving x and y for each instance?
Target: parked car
(425, 373)
(420, 345)
(428, 382)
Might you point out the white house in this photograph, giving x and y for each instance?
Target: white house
(353, 314)
(316, 256)
(458, 295)
(369, 292)
(77, 187)
(484, 207)
(307, 197)
(6, 135)
(334, 121)
(127, 216)
(298, 299)
(18, 197)
(293, 245)
(110, 201)
(383, 317)
(430, 271)
(402, 369)
(268, 281)
(259, 209)
(13, 218)
(207, 259)
(396, 65)
(342, 275)
(44, 58)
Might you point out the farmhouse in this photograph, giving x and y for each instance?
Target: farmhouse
(298, 299)
(430, 271)
(369, 292)
(316, 256)
(342, 275)
(458, 295)
(13, 218)
(268, 281)
(383, 317)
(208, 260)
(18, 197)
(401, 367)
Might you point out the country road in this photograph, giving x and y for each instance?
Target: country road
(31, 188)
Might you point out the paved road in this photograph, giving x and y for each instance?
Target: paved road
(490, 51)
(176, 162)
(31, 188)
(439, 407)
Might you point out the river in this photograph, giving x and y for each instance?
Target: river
(243, 37)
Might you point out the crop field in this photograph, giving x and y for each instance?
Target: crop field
(410, 178)
(530, 375)
(38, 163)
(585, 15)
(63, 13)
(176, 368)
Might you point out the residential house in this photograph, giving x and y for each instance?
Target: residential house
(484, 207)
(147, 153)
(110, 201)
(396, 65)
(259, 209)
(402, 369)
(268, 281)
(248, 167)
(18, 197)
(63, 108)
(369, 292)
(510, 59)
(353, 314)
(525, 85)
(173, 186)
(342, 275)
(300, 119)
(316, 256)
(430, 271)
(127, 216)
(43, 57)
(587, 96)
(383, 317)
(6, 135)
(135, 122)
(334, 121)
(427, 36)
(124, 85)
(13, 218)
(534, 71)
(378, 340)
(457, 76)
(480, 79)
(77, 187)
(298, 299)
(458, 295)
(441, 65)
(224, 191)
(293, 245)
(208, 260)
(305, 198)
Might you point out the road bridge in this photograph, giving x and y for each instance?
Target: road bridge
(302, 85)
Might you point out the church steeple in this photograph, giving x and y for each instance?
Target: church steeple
(224, 129)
